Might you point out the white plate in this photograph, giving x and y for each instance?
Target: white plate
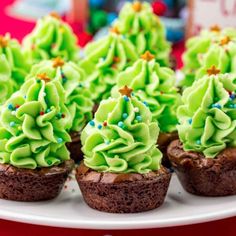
(69, 210)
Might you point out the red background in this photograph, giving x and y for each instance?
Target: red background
(226, 227)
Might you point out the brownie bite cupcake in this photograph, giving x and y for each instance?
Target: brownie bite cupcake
(34, 160)
(212, 47)
(50, 38)
(204, 157)
(144, 29)
(155, 85)
(13, 68)
(122, 171)
(77, 97)
(103, 59)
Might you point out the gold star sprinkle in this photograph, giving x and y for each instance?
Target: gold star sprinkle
(3, 41)
(55, 15)
(147, 56)
(44, 77)
(126, 91)
(115, 30)
(225, 40)
(215, 28)
(57, 62)
(137, 6)
(213, 71)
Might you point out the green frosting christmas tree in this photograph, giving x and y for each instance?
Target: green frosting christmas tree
(212, 47)
(13, 69)
(77, 95)
(122, 137)
(33, 124)
(51, 38)
(156, 86)
(208, 114)
(143, 28)
(104, 58)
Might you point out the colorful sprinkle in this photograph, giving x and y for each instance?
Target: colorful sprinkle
(107, 142)
(124, 115)
(41, 113)
(198, 142)
(17, 106)
(59, 140)
(10, 106)
(216, 105)
(80, 85)
(146, 104)
(99, 126)
(126, 98)
(136, 109)
(232, 96)
(92, 123)
(138, 118)
(48, 110)
(190, 121)
(121, 124)
(105, 123)
(12, 123)
(63, 116)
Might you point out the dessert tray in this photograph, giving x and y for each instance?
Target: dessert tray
(69, 210)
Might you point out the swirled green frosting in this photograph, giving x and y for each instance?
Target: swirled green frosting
(121, 138)
(208, 115)
(145, 30)
(7, 84)
(32, 132)
(13, 68)
(104, 58)
(207, 49)
(156, 86)
(50, 38)
(77, 95)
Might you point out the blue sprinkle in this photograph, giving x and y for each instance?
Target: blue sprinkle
(48, 110)
(59, 140)
(232, 96)
(124, 115)
(138, 118)
(107, 142)
(126, 98)
(198, 142)
(92, 123)
(121, 124)
(99, 126)
(234, 105)
(10, 107)
(25, 97)
(12, 123)
(216, 105)
(64, 80)
(146, 104)
(231, 105)
(190, 121)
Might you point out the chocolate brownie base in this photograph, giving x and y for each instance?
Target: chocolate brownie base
(123, 193)
(163, 141)
(33, 185)
(75, 147)
(204, 176)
